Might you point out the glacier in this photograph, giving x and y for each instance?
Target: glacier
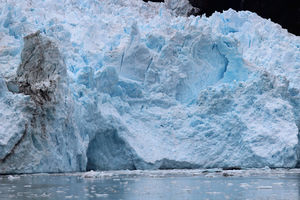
(111, 85)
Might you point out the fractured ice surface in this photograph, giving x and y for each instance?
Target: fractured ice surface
(119, 84)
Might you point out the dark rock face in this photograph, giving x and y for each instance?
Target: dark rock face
(47, 140)
(42, 69)
(286, 13)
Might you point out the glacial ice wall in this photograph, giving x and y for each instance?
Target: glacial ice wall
(129, 85)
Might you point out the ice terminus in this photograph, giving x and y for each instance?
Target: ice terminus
(107, 85)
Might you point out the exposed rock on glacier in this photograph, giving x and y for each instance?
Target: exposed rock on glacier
(180, 7)
(128, 85)
(42, 71)
(40, 135)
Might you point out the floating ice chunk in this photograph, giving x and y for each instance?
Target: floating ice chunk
(27, 186)
(264, 187)
(279, 183)
(11, 177)
(45, 194)
(244, 185)
(101, 195)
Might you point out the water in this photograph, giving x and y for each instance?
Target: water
(151, 185)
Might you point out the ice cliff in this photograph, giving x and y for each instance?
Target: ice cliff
(102, 85)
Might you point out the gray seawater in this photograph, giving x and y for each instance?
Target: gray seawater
(152, 185)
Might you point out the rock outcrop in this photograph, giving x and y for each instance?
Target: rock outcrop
(44, 139)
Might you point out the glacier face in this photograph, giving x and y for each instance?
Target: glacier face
(129, 85)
